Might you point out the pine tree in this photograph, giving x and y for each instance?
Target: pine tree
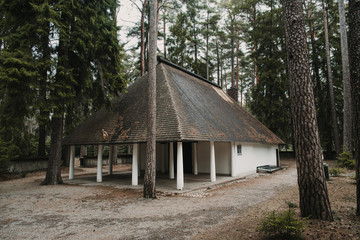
(314, 200)
(354, 57)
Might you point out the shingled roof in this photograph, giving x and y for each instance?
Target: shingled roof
(189, 108)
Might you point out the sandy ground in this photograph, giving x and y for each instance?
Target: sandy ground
(31, 211)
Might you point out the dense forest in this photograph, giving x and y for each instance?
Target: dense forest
(62, 61)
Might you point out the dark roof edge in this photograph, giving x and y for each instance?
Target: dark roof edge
(163, 60)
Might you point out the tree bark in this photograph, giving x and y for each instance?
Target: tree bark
(347, 133)
(114, 153)
(164, 23)
(53, 173)
(314, 200)
(331, 88)
(354, 57)
(142, 51)
(150, 168)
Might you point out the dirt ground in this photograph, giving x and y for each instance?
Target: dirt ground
(233, 211)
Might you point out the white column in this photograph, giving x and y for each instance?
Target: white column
(71, 167)
(99, 164)
(171, 161)
(180, 168)
(212, 162)
(110, 162)
(135, 171)
(195, 158)
(233, 159)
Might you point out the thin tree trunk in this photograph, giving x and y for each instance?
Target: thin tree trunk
(218, 62)
(150, 168)
(354, 57)
(114, 153)
(331, 88)
(207, 47)
(347, 134)
(53, 173)
(314, 200)
(142, 53)
(232, 56)
(164, 19)
(255, 44)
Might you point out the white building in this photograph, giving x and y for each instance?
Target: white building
(200, 129)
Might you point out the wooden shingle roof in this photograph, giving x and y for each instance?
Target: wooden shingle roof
(189, 108)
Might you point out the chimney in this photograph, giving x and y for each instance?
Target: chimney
(233, 93)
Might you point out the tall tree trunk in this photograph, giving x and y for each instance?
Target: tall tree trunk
(142, 53)
(207, 47)
(347, 134)
(331, 88)
(354, 57)
(164, 23)
(53, 173)
(150, 168)
(237, 63)
(232, 55)
(114, 154)
(218, 62)
(255, 44)
(314, 200)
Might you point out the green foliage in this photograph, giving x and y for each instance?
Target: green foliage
(346, 160)
(270, 96)
(282, 225)
(335, 172)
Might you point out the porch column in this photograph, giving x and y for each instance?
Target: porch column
(180, 168)
(171, 161)
(135, 170)
(195, 158)
(212, 162)
(99, 164)
(110, 158)
(232, 156)
(71, 164)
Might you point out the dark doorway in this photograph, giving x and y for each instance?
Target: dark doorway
(187, 157)
(277, 158)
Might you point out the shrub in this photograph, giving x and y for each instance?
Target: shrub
(335, 172)
(282, 225)
(345, 160)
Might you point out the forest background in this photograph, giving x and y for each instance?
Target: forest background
(66, 60)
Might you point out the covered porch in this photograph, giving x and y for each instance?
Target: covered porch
(177, 162)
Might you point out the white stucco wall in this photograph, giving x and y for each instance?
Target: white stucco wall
(254, 155)
(161, 155)
(222, 157)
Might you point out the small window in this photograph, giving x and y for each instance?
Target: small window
(239, 150)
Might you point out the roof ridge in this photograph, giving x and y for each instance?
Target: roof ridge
(163, 60)
(166, 81)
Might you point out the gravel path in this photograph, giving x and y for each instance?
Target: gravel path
(31, 211)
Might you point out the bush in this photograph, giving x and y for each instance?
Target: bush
(345, 160)
(335, 172)
(282, 225)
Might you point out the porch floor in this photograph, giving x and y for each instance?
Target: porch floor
(163, 183)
